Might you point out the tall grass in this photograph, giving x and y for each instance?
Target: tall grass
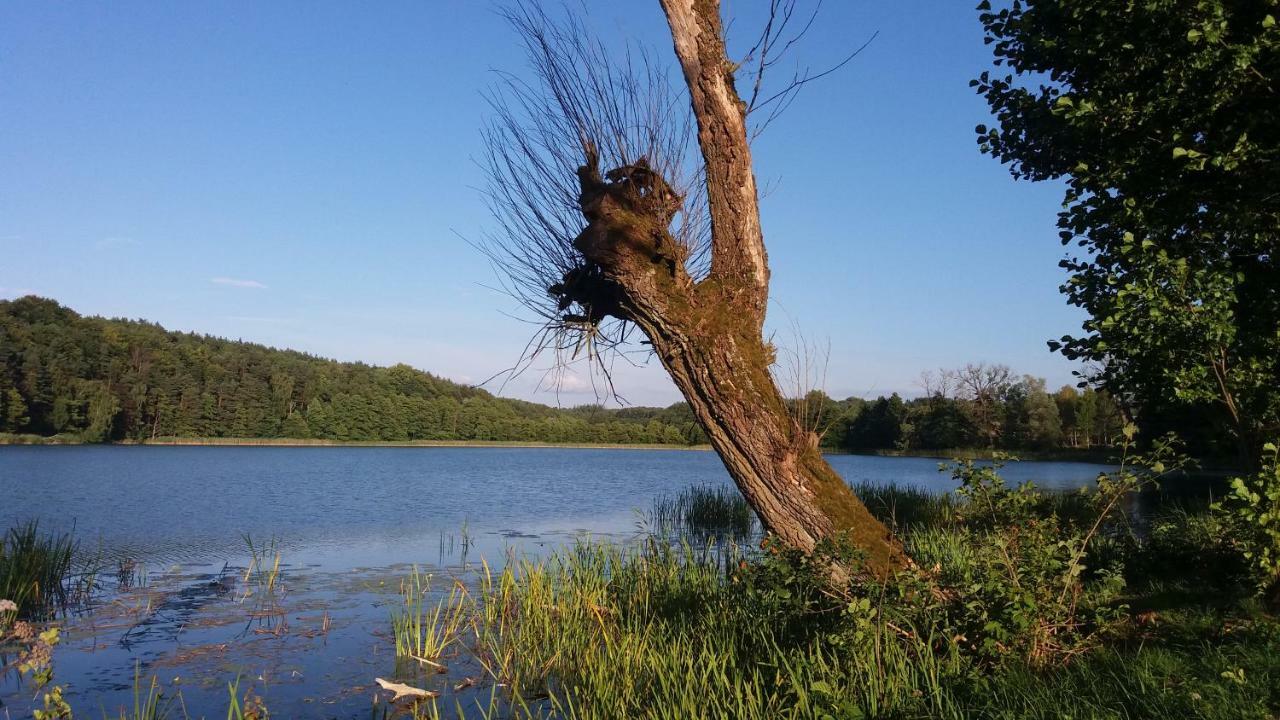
(704, 511)
(424, 631)
(999, 622)
(906, 506)
(602, 631)
(36, 569)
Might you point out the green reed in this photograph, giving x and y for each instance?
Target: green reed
(602, 631)
(36, 569)
(262, 576)
(704, 511)
(424, 630)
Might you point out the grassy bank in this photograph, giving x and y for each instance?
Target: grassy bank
(1022, 605)
(26, 439)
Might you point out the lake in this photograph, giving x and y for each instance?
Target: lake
(172, 526)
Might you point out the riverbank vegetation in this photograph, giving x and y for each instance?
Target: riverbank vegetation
(1020, 604)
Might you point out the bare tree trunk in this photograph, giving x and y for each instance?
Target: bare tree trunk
(709, 334)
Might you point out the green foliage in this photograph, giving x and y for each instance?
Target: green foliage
(1012, 573)
(1162, 118)
(1018, 414)
(1252, 509)
(103, 380)
(1019, 615)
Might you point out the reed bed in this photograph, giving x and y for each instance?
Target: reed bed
(262, 576)
(703, 512)
(36, 569)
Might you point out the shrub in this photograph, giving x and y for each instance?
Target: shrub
(1252, 510)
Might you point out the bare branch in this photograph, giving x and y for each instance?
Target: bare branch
(580, 100)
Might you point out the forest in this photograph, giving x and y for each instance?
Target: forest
(91, 379)
(99, 380)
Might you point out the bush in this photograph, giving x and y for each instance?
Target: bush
(1252, 510)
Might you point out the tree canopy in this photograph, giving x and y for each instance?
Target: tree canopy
(104, 380)
(1163, 118)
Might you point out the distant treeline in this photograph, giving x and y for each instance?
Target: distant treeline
(98, 380)
(102, 380)
(978, 406)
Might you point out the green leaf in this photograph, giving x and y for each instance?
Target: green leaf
(1269, 21)
(1194, 35)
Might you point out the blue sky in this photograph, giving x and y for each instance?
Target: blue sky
(303, 175)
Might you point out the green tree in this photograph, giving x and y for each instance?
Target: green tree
(1031, 416)
(1163, 118)
(103, 408)
(15, 411)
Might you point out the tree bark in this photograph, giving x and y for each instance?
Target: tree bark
(708, 334)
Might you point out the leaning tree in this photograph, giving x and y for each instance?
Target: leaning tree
(610, 219)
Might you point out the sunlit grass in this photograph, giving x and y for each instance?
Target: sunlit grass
(602, 631)
(424, 630)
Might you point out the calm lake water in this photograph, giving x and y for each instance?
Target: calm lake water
(350, 521)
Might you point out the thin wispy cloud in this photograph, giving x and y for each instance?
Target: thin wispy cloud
(237, 282)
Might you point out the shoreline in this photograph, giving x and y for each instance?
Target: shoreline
(1096, 456)
(1084, 456)
(1087, 456)
(32, 440)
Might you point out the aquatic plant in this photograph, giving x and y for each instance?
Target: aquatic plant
(704, 511)
(149, 700)
(905, 506)
(262, 576)
(248, 706)
(424, 631)
(36, 569)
